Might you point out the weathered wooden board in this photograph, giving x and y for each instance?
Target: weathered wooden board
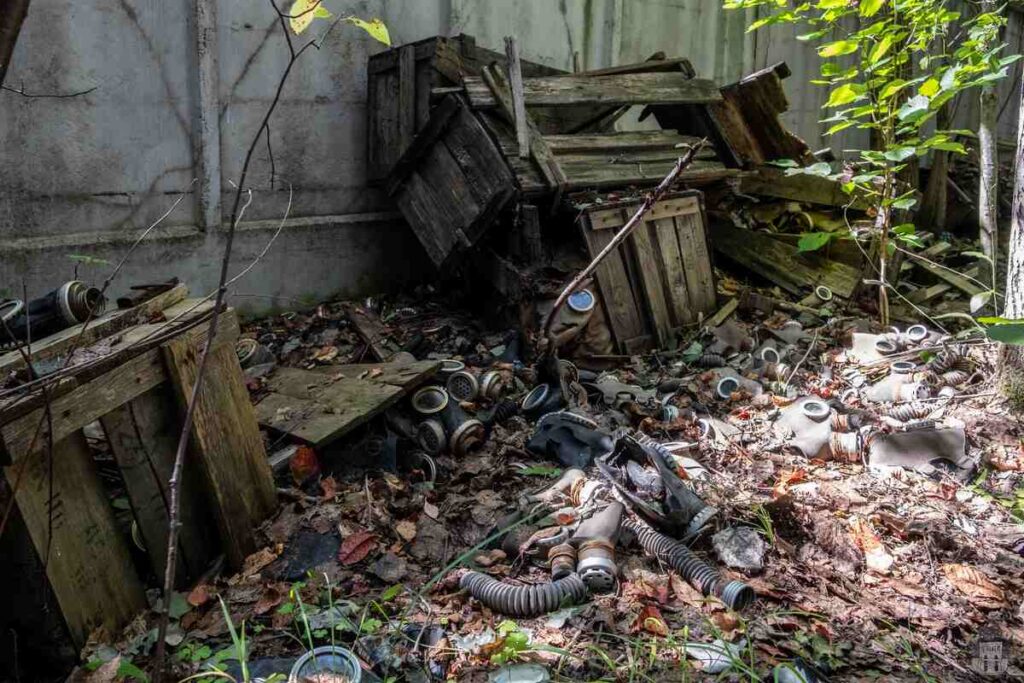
(453, 188)
(143, 436)
(226, 441)
(123, 381)
(81, 336)
(617, 89)
(782, 264)
(321, 406)
(87, 561)
(773, 182)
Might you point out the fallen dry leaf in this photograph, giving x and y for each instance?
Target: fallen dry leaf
(304, 465)
(271, 598)
(199, 595)
(650, 620)
(257, 561)
(726, 621)
(430, 510)
(406, 529)
(356, 547)
(975, 585)
(329, 487)
(876, 557)
(786, 479)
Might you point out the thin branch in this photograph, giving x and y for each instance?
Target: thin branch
(47, 96)
(174, 514)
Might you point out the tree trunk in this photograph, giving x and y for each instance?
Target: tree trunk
(932, 215)
(1012, 357)
(988, 167)
(12, 16)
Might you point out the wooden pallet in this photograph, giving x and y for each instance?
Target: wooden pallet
(137, 387)
(661, 279)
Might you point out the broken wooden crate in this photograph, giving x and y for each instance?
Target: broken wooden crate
(662, 279)
(458, 168)
(77, 569)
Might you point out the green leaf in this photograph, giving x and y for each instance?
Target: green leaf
(914, 109)
(1007, 333)
(840, 126)
(375, 27)
(891, 88)
(541, 471)
(838, 48)
(391, 593)
(783, 163)
(869, 8)
(904, 204)
(998, 320)
(812, 241)
(979, 300)
(905, 229)
(303, 12)
(844, 94)
(900, 153)
(930, 88)
(179, 606)
(881, 49)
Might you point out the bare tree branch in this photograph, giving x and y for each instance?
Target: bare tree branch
(50, 96)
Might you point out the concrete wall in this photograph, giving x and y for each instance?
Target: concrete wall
(178, 89)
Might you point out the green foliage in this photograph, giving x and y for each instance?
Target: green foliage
(812, 241)
(542, 471)
(514, 643)
(890, 66)
(303, 13)
(1004, 330)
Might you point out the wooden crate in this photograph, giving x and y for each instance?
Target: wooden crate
(662, 278)
(400, 83)
(136, 387)
(452, 182)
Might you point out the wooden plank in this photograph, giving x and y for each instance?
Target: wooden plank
(949, 277)
(425, 77)
(773, 182)
(539, 149)
(88, 564)
(318, 408)
(680, 64)
(427, 219)
(622, 311)
(58, 345)
(599, 174)
(630, 140)
(369, 329)
(515, 79)
(122, 381)
(480, 160)
(704, 297)
(423, 143)
(926, 294)
(453, 192)
(670, 267)
(692, 268)
(84, 405)
(375, 169)
(650, 278)
(406, 96)
(621, 89)
(782, 264)
(226, 441)
(143, 436)
(531, 233)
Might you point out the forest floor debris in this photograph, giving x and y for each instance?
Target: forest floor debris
(861, 571)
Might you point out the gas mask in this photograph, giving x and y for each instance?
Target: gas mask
(446, 425)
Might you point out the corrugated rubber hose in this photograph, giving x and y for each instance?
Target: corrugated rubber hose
(524, 601)
(736, 594)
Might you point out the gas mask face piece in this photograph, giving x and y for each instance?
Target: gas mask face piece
(445, 425)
